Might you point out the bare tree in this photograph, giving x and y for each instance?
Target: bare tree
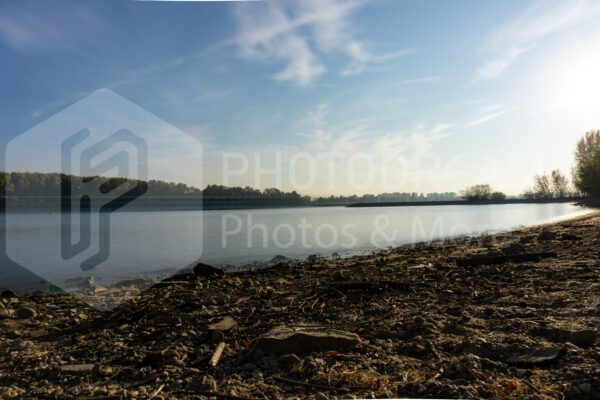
(560, 184)
(542, 186)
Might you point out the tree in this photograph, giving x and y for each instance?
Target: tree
(498, 196)
(560, 184)
(477, 192)
(542, 186)
(586, 174)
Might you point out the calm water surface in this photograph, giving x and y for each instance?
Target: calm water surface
(141, 242)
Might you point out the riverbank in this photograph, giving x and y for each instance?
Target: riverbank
(467, 202)
(503, 316)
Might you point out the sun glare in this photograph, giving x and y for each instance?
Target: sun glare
(573, 82)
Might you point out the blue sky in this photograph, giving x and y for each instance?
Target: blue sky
(409, 95)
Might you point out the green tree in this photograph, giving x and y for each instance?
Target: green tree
(586, 173)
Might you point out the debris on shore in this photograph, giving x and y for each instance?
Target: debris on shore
(512, 315)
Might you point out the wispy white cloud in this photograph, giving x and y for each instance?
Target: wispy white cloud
(512, 40)
(32, 33)
(485, 118)
(425, 79)
(298, 35)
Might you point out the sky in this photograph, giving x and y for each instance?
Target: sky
(321, 96)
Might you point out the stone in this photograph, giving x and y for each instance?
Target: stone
(205, 270)
(546, 235)
(25, 313)
(208, 384)
(217, 337)
(8, 325)
(585, 387)
(535, 357)
(288, 360)
(249, 367)
(283, 340)
(339, 276)
(570, 237)
(164, 318)
(227, 323)
(510, 249)
(584, 338)
(279, 258)
(8, 294)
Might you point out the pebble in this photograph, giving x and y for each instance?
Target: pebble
(209, 383)
(8, 294)
(288, 360)
(248, 367)
(25, 313)
(585, 387)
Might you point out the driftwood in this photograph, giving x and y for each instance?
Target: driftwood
(492, 260)
(157, 391)
(214, 360)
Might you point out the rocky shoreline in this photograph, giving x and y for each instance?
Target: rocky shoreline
(511, 315)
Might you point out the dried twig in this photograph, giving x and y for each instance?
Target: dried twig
(157, 391)
(214, 360)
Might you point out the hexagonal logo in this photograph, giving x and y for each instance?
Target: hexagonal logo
(94, 200)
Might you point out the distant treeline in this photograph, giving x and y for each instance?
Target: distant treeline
(386, 197)
(42, 191)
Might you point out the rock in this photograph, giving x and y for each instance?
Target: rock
(585, 387)
(164, 318)
(77, 368)
(10, 392)
(25, 313)
(526, 239)
(288, 360)
(249, 367)
(86, 283)
(300, 340)
(217, 337)
(546, 235)
(584, 338)
(535, 357)
(279, 258)
(208, 384)
(339, 276)
(223, 325)
(8, 325)
(256, 374)
(312, 258)
(512, 248)
(8, 294)
(570, 237)
(205, 270)
(181, 276)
